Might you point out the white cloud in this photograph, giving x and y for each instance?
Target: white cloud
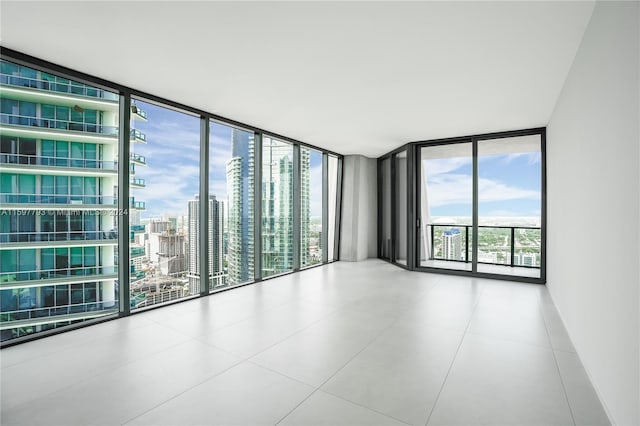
(444, 165)
(168, 189)
(531, 157)
(219, 189)
(457, 189)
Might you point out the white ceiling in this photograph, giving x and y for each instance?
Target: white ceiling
(352, 77)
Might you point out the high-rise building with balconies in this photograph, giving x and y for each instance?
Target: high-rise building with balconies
(240, 187)
(58, 212)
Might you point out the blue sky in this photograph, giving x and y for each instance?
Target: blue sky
(173, 158)
(509, 185)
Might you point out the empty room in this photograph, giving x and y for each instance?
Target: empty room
(320, 213)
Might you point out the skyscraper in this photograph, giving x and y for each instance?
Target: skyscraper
(217, 275)
(452, 244)
(277, 207)
(171, 256)
(305, 207)
(240, 187)
(58, 182)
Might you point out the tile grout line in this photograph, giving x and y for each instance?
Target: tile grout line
(184, 391)
(108, 369)
(365, 407)
(464, 334)
(555, 360)
(68, 333)
(338, 370)
(323, 390)
(155, 321)
(247, 358)
(241, 360)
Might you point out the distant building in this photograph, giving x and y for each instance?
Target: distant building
(240, 188)
(524, 259)
(158, 226)
(306, 255)
(217, 275)
(452, 244)
(171, 254)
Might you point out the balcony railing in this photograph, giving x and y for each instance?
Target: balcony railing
(140, 205)
(137, 158)
(137, 134)
(59, 87)
(49, 123)
(137, 251)
(34, 237)
(19, 198)
(137, 275)
(135, 109)
(53, 311)
(137, 228)
(43, 274)
(40, 160)
(501, 242)
(140, 183)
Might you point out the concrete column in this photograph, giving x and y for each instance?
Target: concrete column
(359, 222)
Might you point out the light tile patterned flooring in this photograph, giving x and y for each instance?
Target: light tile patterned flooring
(343, 344)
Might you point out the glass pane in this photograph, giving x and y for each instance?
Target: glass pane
(446, 206)
(310, 207)
(48, 152)
(231, 188)
(385, 238)
(401, 207)
(35, 295)
(509, 206)
(277, 207)
(62, 154)
(332, 210)
(162, 193)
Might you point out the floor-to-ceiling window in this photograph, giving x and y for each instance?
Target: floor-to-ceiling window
(384, 210)
(509, 205)
(478, 205)
(400, 191)
(333, 194)
(277, 207)
(445, 186)
(83, 161)
(164, 216)
(231, 207)
(311, 208)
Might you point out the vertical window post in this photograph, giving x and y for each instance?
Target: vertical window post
(324, 243)
(257, 207)
(124, 290)
(296, 207)
(204, 207)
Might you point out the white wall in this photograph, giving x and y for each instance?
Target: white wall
(358, 235)
(593, 219)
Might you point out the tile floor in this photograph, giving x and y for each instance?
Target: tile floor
(344, 344)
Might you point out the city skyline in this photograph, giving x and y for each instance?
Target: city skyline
(176, 145)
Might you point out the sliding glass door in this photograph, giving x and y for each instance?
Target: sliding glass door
(480, 205)
(509, 206)
(446, 206)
